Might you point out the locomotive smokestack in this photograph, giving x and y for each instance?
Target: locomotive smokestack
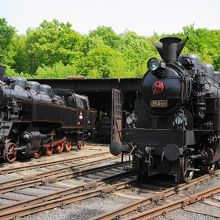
(2, 72)
(170, 48)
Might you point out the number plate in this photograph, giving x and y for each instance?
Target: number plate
(158, 103)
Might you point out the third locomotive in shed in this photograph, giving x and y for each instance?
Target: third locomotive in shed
(176, 130)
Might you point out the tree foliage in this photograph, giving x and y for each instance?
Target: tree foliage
(7, 34)
(102, 62)
(55, 50)
(109, 37)
(48, 44)
(205, 43)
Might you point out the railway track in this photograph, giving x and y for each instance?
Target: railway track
(67, 160)
(141, 212)
(180, 203)
(84, 167)
(53, 175)
(66, 196)
(109, 185)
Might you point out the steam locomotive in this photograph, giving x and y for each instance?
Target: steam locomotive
(33, 119)
(176, 127)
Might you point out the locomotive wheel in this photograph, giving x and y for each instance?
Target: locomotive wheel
(10, 153)
(37, 153)
(211, 168)
(59, 148)
(49, 150)
(186, 174)
(68, 147)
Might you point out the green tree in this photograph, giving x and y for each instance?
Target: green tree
(102, 62)
(109, 37)
(58, 70)
(21, 58)
(136, 51)
(50, 43)
(55, 50)
(7, 34)
(205, 43)
(92, 42)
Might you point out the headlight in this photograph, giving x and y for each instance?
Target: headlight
(154, 64)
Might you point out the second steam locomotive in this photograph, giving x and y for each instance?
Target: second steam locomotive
(33, 119)
(176, 128)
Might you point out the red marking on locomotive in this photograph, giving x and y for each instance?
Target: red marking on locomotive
(157, 87)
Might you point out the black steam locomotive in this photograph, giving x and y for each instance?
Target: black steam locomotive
(176, 128)
(33, 119)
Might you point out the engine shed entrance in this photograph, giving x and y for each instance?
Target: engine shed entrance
(99, 92)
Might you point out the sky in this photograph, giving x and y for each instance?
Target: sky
(141, 16)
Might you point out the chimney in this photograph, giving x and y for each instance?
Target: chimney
(170, 48)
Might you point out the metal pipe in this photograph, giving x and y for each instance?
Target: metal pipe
(197, 156)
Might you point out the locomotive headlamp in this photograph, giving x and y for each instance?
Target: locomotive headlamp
(154, 64)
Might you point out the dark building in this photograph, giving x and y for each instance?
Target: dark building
(99, 91)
